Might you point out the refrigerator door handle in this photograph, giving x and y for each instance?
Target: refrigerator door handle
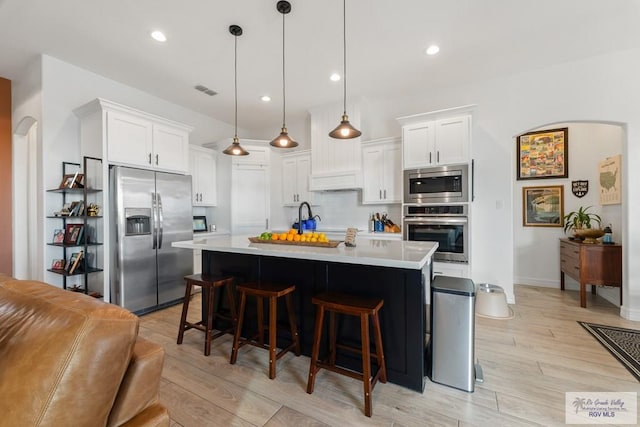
(155, 220)
(160, 224)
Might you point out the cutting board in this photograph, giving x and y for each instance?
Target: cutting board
(329, 244)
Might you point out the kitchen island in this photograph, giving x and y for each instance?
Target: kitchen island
(397, 271)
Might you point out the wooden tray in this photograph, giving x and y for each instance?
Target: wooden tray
(329, 244)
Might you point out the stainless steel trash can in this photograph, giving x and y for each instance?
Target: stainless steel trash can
(453, 332)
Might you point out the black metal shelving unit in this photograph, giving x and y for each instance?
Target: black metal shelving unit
(89, 240)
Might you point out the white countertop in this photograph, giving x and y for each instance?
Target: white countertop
(384, 253)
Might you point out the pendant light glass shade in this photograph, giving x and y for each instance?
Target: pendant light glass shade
(345, 130)
(235, 149)
(283, 140)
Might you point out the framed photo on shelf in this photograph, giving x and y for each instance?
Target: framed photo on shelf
(74, 262)
(58, 236)
(72, 180)
(543, 206)
(543, 154)
(58, 264)
(73, 234)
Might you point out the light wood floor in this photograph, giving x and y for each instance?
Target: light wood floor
(529, 363)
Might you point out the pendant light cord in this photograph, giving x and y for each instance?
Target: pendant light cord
(344, 51)
(284, 98)
(235, 74)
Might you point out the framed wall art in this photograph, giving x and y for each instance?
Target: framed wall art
(610, 182)
(543, 154)
(543, 206)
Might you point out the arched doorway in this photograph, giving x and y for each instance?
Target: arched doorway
(536, 249)
(27, 250)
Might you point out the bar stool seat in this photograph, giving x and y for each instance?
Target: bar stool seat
(272, 291)
(353, 306)
(208, 284)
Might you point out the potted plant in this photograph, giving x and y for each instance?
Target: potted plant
(580, 222)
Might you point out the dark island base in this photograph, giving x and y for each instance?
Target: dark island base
(402, 317)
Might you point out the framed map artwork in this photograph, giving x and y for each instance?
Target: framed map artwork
(609, 177)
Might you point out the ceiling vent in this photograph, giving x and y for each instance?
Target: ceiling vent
(206, 90)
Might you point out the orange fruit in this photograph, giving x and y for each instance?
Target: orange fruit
(274, 237)
(290, 237)
(293, 231)
(283, 236)
(296, 237)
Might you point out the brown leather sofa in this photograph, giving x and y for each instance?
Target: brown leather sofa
(67, 359)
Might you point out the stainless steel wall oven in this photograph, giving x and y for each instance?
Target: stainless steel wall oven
(446, 224)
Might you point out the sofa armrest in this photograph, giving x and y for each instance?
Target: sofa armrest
(155, 415)
(141, 383)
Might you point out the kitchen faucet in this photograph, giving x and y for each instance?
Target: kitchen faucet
(300, 215)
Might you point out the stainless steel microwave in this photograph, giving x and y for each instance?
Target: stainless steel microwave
(442, 184)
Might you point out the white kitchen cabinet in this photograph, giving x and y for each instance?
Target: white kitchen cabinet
(437, 138)
(126, 136)
(336, 163)
(296, 169)
(451, 269)
(382, 171)
(203, 169)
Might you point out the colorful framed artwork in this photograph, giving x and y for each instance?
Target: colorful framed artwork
(543, 206)
(543, 154)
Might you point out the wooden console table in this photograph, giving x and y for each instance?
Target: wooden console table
(591, 264)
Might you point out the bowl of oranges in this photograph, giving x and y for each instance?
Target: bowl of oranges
(291, 237)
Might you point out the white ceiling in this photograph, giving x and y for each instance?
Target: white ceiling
(479, 39)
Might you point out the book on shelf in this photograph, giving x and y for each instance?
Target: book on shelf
(73, 234)
(58, 264)
(74, 262)
(58, 236)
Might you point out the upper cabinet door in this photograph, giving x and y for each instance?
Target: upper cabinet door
(303, 171)
(372, 161)
(453, 137)
(392, 173)
(129, 139)
(418, 142)
(289, 178)
(170, 148)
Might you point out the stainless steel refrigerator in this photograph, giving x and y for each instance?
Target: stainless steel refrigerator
(149, 211)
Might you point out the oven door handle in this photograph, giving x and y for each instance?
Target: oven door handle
(435, 220)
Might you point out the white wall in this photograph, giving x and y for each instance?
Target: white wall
(602, 88)
(536, 247)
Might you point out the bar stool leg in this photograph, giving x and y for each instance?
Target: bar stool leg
(332, 338)
(292, 324)
(366, 363)
(185, 310)
(236, 336)
(210, 293)
(382, 365)
(273, 306)
(313, 367)
(259, 307)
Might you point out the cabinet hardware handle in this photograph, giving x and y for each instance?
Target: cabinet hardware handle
(266, 223)
(385, 194)
(380, 197)
(438, 156)
(429, 156)
(149, 158)
(157, 155)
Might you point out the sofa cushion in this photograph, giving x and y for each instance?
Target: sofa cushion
(62, 355)
(139, 388)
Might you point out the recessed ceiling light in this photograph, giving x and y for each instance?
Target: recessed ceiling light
(335, 77)
(265, 98)
(159, 36)
(432, 50)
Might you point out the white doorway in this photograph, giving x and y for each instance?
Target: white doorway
(27, 251)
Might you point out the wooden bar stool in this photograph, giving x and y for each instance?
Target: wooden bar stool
(353, 306)
(272, 291)
(208, 284)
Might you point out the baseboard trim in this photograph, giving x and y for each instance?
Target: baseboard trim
(629, 314)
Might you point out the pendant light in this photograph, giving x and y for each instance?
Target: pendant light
(283, 140)
(235, 149)
(344, 130)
